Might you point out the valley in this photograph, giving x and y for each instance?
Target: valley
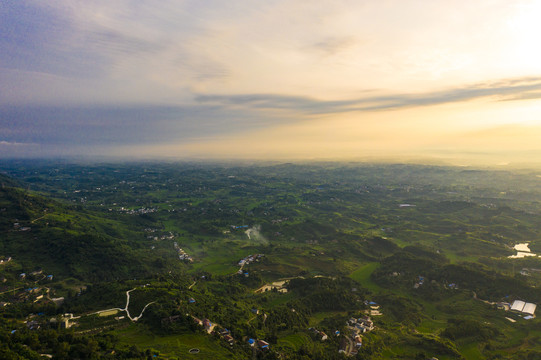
(267, 261)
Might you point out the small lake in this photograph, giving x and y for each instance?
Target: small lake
(522, 251)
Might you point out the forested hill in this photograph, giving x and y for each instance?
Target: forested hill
(66, 240)
(7, 181)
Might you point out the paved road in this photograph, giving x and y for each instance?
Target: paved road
(126, 308)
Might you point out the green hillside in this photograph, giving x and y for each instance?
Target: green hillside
(70, 241)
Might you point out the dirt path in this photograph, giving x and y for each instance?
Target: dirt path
(485, 301)
(253, 317)
(350, 346)
(41, 217)
(5, 292)
(240, 269)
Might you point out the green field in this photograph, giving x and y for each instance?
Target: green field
(362, 276)
(174, 346)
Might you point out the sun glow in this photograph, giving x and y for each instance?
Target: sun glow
(525, 28)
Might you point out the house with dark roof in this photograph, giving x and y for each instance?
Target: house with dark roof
(207, 325)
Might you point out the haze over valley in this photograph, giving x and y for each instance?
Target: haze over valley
(270, 180)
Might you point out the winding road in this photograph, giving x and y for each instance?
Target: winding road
(126, 308)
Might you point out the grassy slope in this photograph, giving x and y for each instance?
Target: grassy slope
(175, 346)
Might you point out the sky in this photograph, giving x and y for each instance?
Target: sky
(457, 81)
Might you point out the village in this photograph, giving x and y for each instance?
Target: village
(349, 344)
(350, 340)
(28, 289)
(246, 261)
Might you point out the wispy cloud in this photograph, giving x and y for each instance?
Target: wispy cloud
(334, 45)
(530, 95)
(213, 115)
(14, 143)
(102, 73)
(511, 89)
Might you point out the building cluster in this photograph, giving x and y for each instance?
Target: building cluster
(277, 221)
(36, 275)
(420, 281)
(247, 260)
(361, 325)
(259, 344)
(17, 226)
(182, 255)
(66, 321)
(32, 293)
(250, 259)
(209, 327)
(373, 308)
(226, 335)
(319, 334)
(137, 211)
(350, 344)
(168, 236)
(206, 324)
(36, 321)
(524, 308)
